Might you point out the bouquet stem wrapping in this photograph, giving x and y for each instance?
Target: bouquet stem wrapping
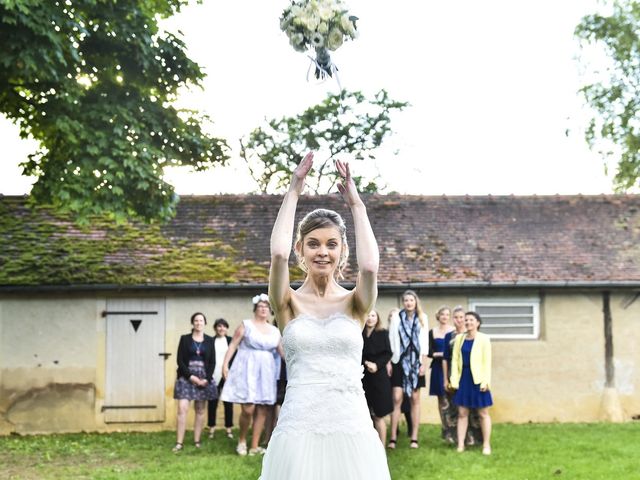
(323, 63)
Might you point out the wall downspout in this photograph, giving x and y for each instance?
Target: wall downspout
(610, 409)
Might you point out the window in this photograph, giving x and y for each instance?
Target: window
(514, 318)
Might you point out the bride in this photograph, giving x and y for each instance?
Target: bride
(324, 430)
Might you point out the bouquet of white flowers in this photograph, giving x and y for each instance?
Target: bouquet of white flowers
(323, 25)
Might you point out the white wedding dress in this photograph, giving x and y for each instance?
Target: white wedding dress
(324, 430)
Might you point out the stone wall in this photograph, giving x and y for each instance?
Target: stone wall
(52, 357)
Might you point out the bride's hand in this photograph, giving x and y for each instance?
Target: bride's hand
(300, 173)
(347, 187)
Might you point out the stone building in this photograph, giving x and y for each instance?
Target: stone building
(90, 315)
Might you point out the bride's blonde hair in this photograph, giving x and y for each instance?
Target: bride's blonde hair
(322, 218)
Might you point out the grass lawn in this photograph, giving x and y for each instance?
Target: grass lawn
(520, 452)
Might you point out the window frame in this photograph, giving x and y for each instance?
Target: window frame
(533, 301)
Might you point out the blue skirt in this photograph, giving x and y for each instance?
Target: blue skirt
(469, 394)
(436, 383)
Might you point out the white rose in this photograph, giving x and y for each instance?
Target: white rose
(334, 40)
(311, 23)
(347, 25)
(325, 12)
(296, 11)
(323, 27)
(311, 10)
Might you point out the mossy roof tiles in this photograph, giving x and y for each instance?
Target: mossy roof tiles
(225, 239)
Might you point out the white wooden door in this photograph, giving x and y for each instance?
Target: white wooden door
(134, 390)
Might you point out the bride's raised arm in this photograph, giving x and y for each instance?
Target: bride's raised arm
(367, 253)
(281, 235)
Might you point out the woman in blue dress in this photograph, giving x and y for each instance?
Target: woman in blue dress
(471, 377)
(449, 412)
(436, 349)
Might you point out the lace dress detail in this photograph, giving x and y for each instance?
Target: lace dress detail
(324, 428)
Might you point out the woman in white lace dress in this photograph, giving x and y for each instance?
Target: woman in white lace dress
(324, 430)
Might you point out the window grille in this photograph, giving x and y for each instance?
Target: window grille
(509, 318)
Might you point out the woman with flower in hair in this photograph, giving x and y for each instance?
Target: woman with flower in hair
(251, 380)
(408, 335)
(324, 430)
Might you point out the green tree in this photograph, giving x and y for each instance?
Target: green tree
(93, 81)
(614, 97)
(346, 124)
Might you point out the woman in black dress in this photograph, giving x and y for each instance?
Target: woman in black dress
(376, 353)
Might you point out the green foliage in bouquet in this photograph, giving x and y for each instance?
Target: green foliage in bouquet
(614, 98)
(346, 125)
(93, 82)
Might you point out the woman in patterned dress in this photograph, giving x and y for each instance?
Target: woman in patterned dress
(408, 335)
(195, 371)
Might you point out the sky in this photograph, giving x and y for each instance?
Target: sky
(492, 86)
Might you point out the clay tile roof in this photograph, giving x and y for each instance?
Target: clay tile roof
(422, 239)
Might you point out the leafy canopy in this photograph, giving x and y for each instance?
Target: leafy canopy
(615, 97)
(347, 123)
(93, 81)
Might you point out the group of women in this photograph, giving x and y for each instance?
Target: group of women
(395, 363)
(243, 369)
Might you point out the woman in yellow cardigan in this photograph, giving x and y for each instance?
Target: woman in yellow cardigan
(471, 378)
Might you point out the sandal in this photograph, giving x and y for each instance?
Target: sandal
(229, 433)
(177, 448)
(197, 444)
(392, 444)
(413, 444)
(256, 451)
